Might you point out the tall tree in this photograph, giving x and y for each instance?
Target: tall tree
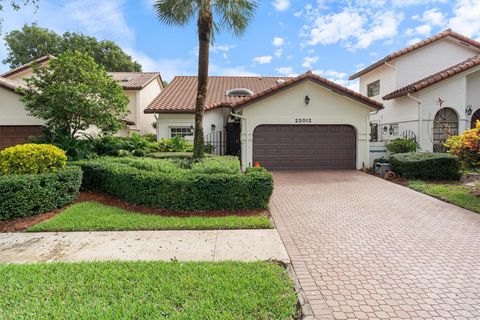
(32, 42)
(73, 93)
(234, 15)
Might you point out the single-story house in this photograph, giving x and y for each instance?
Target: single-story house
(16, 126)
(430, 91)
(281, 123)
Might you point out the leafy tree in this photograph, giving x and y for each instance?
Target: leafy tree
(73, 93)
(233, 15)
(32, 42)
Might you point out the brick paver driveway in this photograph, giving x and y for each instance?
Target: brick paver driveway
(365, 248)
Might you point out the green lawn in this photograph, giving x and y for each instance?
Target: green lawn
(454, 193)
(93, 216)
(146, 290)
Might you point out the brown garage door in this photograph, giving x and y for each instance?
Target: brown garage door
(305, 147)
(13, 135)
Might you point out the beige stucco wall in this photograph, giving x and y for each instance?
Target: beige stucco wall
(146, 96)
(326, 107)
(12, 111)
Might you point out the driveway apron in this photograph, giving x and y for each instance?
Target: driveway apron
(365, 248)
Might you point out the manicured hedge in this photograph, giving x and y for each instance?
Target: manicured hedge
(27, 195)
(182, 190)
(426, 166)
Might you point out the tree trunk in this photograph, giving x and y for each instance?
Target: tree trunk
(204, 34)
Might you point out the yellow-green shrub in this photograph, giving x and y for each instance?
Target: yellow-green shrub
(31, 159)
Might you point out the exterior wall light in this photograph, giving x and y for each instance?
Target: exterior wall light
(214, 127)
(468, 110)
(307, 99)
(192, 129)
(391, 130)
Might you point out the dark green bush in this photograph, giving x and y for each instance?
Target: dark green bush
(400, 145)
(135, 144)
(179, 190)
(426, 166)
(27, 195)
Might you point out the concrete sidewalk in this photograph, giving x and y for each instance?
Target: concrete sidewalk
(211, 245)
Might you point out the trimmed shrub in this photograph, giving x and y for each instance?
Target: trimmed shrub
(228, 164)
(27, 195)
(180, 190)
(400, 145)
(135, 144)
(426, 166)
(31, 159)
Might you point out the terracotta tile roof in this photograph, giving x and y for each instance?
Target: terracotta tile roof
(180, 95)
(435, 78)
(10, 84)
(423, 43)
(26, 66)
(134, 80)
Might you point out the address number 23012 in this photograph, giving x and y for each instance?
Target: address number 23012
(303, 120)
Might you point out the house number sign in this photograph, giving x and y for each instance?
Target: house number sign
(303, 120)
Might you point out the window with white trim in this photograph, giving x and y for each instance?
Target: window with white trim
(181, 132)
(373, 89)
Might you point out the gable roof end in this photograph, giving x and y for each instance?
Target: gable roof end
(413, 47)
(435, 78)
(10, 84)
(134, 80)
(317, 79)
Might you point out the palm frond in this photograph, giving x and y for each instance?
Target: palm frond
(175, 12)
(235, 15)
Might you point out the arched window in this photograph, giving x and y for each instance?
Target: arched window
(445, 125)
(475, 117)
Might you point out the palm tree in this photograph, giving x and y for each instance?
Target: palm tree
(234, 15)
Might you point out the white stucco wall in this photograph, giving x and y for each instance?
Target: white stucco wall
(325, 107)
(473, 90)
(12, 111)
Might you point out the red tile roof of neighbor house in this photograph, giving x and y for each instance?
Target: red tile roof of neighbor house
(435, 78)
(447, 33)
(180, 95)
(134, 80)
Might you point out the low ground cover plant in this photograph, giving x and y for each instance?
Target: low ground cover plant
(426, 166)
(214, 184)
(93, 216)
(457, 194)
(147, 290)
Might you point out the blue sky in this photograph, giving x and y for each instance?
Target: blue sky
(287, 37)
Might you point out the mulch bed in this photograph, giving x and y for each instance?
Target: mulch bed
(21, 224)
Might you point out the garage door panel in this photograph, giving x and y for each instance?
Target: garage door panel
(13, 135)
(308, 147)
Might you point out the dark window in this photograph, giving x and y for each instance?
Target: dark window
(181, 131)
(373, 132)
(373, 89)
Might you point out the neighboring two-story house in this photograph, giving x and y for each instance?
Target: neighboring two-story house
(16, 126)
(430, 91)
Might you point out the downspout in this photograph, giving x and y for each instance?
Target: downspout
(157, 118)
(419, 115)
(246, 133)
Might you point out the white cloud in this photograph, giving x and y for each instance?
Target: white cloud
(278, 53)
(434, 17)
(353, 27)
(424, 29)
(263, 59)
(281, 5)
(413, 41)
(218, 70)
(278, 42)
(309, 61)
(466, 18)
(286, 71)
